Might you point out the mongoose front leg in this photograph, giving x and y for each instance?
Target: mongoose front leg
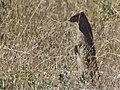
(76, 49)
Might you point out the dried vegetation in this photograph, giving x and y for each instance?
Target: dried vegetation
(37, 41)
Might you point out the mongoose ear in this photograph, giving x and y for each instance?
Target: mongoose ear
(82, 14)
(75, 18)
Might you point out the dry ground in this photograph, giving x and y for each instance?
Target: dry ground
(37, 41)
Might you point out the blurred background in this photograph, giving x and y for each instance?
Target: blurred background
(37, 43)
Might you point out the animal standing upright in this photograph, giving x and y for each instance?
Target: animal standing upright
(84, 47)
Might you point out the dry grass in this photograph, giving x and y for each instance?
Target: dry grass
(37, 41)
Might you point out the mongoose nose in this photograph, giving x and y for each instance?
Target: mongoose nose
(70, 20)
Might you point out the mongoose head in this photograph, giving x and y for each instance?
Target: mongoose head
(76, 17)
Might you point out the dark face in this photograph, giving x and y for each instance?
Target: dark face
(76, 17)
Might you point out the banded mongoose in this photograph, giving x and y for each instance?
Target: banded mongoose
(84, 48)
